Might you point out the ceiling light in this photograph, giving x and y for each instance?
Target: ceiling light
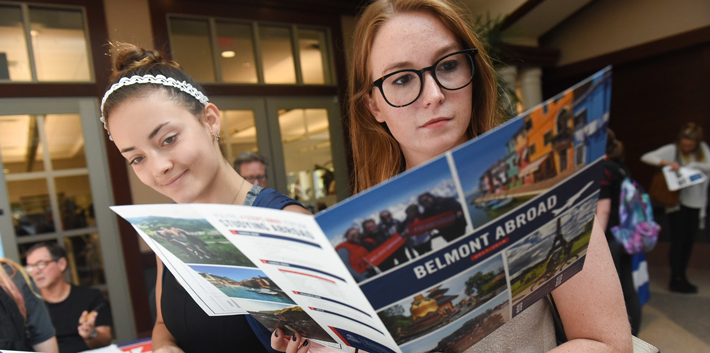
(228, 54)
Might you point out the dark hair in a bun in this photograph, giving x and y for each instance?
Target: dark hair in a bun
(131, 60)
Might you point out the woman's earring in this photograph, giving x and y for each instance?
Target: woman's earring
(215, 135)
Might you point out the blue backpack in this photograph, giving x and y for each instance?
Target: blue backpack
(637, 231)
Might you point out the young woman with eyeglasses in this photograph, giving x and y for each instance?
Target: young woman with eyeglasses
(422, 84)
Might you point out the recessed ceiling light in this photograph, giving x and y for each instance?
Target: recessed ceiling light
(228, 54)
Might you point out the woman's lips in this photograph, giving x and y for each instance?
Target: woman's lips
(436, 122)
(174, 180)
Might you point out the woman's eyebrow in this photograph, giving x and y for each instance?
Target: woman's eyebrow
(155, 131)
(407, 64)
(152, 134)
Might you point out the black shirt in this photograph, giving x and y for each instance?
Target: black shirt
(65, 316)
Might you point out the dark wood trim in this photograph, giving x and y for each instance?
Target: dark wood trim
(343, 7)
(673, 43)
(98, 39)
(519, 13)
(47, 90)
(519, 55)
(269, 90)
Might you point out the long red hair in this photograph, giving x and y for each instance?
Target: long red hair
(377, 155)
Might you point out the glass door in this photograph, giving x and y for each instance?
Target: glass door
(300, 137)
(54, 188)
(308, 150)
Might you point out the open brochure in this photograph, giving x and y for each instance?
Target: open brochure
(682, 178)
(434, 259)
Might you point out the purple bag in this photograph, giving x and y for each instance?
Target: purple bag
(637, 231)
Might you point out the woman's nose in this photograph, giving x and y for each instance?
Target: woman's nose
(161, 165)
(432, 93)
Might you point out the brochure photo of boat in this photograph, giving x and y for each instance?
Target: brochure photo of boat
(242, 282)
(447, 302)
(394, 223)
(469, 329)
(533, 153)
(289, 318)
(542, 255)
(192, 240)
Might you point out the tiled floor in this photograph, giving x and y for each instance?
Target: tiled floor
(677, 322)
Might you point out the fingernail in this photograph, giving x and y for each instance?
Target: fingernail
(294, 337)
(305, 343)
(276, 333)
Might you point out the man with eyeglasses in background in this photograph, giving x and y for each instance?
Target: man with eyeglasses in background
(252, 167)
(81, 316)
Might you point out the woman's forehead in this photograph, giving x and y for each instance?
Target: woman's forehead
(412, 37)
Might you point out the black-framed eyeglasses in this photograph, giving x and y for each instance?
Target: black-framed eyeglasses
(452, 72)
(40, 265)
(255, 178)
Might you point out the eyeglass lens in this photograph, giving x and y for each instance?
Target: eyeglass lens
(451, 72)
(38, 266)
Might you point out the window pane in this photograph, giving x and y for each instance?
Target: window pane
(314, 60)
(234, 43)
(14, 60)
(59, 44)
(31, 210)
(190, 40)
(84, 260)
(277, 54)
(239, 132)
(75, 204)
(19, 144)
(65, 140)
(308, 157)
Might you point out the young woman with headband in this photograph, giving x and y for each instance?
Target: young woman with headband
(421, 84)
(164, 125)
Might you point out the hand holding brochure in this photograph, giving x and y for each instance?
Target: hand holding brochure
(682, 178)
(434, 259)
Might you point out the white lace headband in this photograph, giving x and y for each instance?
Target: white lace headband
(158, 80)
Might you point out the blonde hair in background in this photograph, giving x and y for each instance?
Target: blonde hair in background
(376, 154)
(10, 287)
(692, 131)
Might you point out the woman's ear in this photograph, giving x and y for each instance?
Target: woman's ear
(372, 107)
(211, 118)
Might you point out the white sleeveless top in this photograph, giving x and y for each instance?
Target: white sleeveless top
(533, 331)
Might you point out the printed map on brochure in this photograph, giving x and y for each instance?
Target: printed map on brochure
(432, 260)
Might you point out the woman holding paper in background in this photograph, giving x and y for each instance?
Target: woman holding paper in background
(164, 125)
(689, 151)
(447, 95)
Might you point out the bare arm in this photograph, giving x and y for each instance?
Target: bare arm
(297, 209)
(162, 340)
(48, 346)
(591, 304)
(603, 211)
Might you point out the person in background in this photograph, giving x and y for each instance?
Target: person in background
(80, 315)
(34, 328)
(608, 216)
(252, 167)
(689, 150)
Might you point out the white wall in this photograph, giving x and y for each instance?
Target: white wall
(606, 26)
